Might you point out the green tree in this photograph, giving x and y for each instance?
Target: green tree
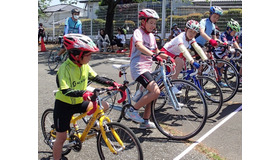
(42, 5)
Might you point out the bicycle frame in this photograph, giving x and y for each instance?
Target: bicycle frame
(98, 114)
(162, 77)
(191, 73)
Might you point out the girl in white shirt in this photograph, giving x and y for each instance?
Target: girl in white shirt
(177, 47)
(143, 51)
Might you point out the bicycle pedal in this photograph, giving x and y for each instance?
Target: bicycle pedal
(52, 126)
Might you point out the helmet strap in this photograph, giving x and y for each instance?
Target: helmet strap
(77, 60)
(187, 39)
(143, 26)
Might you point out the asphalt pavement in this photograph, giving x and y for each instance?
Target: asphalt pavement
(225, 142)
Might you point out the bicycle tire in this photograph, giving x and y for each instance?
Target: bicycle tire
(213, 95)
(231, 78)
(52, 62)
(47, 117)
(133, 149)
(182, 124)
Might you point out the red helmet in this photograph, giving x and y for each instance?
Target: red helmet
(148, 13)
(79, 42)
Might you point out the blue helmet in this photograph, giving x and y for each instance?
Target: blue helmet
(216, 9)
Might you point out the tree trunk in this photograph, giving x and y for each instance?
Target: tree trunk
(110, 17)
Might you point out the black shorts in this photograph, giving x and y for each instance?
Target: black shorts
(145, 79)
(63, 113)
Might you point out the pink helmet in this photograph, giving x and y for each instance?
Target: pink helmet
(148, 13)
(80, 42)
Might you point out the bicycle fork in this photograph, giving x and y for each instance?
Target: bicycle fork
(108, 142)
(170, 92)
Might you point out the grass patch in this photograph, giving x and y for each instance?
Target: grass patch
(209, 152)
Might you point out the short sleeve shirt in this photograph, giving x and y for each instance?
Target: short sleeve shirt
(209, 29)
(70, 76)
(172, 46)
(73, 26)
(140, 62)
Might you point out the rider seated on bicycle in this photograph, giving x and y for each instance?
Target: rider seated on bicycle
(72, 25)
(207, 29)
(72, 79)
(228, 39)
(177, 48)
(143, 52)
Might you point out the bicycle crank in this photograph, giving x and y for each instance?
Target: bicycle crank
(75, 144)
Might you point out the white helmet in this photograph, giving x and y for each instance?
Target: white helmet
(148, 13)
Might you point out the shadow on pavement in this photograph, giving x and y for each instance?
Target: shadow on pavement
(145, 136)
(228, 110)
(49, 156)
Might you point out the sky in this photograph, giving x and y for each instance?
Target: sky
(55, 2)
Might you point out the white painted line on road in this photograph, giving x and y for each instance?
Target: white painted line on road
(207, 134)
(119, 60)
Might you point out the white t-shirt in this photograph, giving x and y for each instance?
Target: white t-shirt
(172, 46)
(122, 37)
(140, 62)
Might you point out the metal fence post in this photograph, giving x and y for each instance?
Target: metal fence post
(91, 28)
(137, 13)
(163, 13)
(53, 28)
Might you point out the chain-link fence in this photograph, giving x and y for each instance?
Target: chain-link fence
(176, 11)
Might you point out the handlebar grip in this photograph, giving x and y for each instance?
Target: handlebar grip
(93, 109)
(123, 96)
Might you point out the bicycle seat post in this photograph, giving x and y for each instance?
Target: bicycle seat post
(122, 69)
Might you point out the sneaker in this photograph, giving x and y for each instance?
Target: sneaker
(207, 94)
(176, 90)
(171, 104)
(147, 125)
(134, 116)
(222, 84)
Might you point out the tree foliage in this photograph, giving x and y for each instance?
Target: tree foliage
(42, 5)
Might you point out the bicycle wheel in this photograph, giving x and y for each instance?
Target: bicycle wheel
(212, 93)
(48, 127)
(132, 149)
(52, 61)
(182, 124)
(230, 76)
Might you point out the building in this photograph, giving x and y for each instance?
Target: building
(58, 14)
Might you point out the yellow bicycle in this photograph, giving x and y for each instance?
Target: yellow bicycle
(112, 137)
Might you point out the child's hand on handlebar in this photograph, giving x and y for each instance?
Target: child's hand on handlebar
(213, 42)
(87, 95)
(156, 57)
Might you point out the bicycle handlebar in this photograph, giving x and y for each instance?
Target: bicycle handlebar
(97, 92)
